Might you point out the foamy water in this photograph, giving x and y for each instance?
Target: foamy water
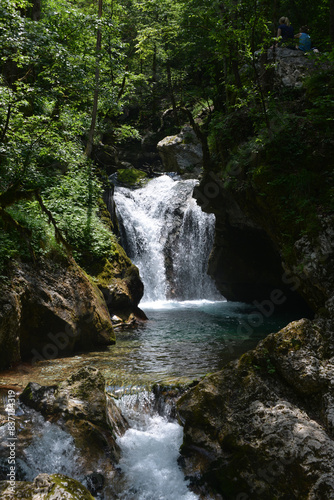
(150, 449)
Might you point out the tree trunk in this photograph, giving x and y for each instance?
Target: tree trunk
(331, 21)
(90, 141)
(171, 91)
(36, 10)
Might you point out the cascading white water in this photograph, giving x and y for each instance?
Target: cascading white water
(168, 237)
(150, 449)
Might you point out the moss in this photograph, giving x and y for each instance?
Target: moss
(69, 486)
(132, 177)
(60, 487)
(104, 215)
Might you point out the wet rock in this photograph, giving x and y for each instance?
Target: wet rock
(95, 482)
(80, 406)
(262, 427)
(52, 487)
(48, 310)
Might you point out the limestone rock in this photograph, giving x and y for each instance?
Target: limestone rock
(80, 407)
(44, 486)
(262, 427)
(314, 265)
(121, 286)
(50, 309)
(81, 403)
(245, 262)
(181, 153)
(290, 67)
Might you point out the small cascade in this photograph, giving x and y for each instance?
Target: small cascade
(40, 447)
(150, 449)
(168, 237)
(51, 451)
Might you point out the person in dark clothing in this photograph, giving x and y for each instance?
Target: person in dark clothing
(285, 31)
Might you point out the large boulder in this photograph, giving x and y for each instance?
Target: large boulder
(291, 66)
(284, 67)
(81, 404)
(120, 284)
(50, 309)
(262, 427)
(181, 153)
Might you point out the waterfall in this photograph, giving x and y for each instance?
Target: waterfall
(168, 237)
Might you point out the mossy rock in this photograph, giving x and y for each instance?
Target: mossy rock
(132, 177)
(45, 487)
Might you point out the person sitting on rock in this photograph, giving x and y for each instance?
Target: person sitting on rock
(304, 42)
(285, 33)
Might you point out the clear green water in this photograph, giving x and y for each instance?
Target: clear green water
(189, 339)
(179, 340)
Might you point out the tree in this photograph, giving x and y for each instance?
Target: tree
(96, 90)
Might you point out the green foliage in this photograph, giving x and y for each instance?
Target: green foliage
(74, 204)
(47, 84)
(8, 248)
(320, 92)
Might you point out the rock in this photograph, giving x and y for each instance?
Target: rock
(245, 262)
(95, 482)
(80, 407)
(314, 266)
(262, 427)
(181, 153)
(44, 486)
(131, 177)
(121, 286)
(50, 309)
(80, 401)
(117, 277)
(291, 66)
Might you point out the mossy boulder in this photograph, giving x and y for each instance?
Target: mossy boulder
(81, 397)
(131, 177)
(182, 153)
(45, 487)
(50, 309)
(120, 284)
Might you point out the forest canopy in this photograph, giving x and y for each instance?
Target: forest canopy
(73, 72)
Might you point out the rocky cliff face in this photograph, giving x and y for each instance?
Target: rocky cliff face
(49, 310)
(263, 427)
